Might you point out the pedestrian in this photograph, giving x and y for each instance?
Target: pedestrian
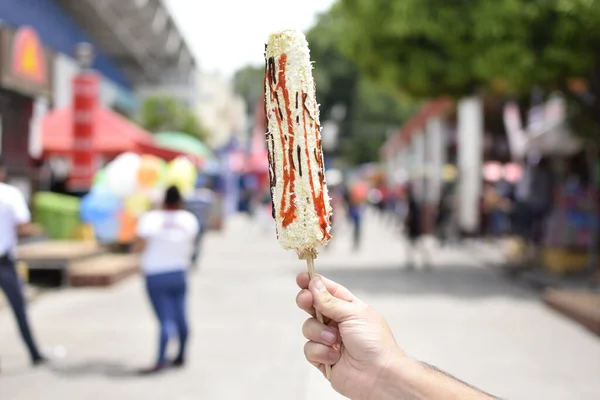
(355, 199)
(414, 230)
(444, 215)
(542, 193)
(366, 361)
(199, 203)
(14, 223)
(166, 240)
(398, 209)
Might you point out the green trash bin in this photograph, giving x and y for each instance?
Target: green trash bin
(58, 214)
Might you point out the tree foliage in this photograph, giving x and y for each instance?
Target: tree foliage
(165, 113)
(371, 112)
(427, 48)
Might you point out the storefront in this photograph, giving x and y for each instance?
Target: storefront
(44, 83)
(417, 153)
(25, 77)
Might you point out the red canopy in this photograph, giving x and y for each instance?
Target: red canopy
(113, 135)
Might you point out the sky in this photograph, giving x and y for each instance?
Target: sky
(225, 35)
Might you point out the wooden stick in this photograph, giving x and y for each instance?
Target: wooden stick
(310, 263)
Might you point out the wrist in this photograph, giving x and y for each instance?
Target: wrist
(394, 380)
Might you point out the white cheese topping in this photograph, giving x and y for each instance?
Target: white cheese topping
(301, 202)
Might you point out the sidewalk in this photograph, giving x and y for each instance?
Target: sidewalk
(31, 293)
(462, 316)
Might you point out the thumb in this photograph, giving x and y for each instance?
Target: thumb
(330, 306)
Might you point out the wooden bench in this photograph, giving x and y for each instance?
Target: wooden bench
(51, 259)
(582, 306)
(102, 270)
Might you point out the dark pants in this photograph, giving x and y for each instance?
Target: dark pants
(530, 222)
(11, 286)
(355, 217)
(167, 292)
(197, 247)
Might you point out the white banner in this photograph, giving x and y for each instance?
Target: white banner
(554, 136)
(436, 155)
(470, 155)
(40, 108)
(418, 165)
(517, 138)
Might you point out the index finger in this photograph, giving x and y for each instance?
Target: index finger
(334, 288)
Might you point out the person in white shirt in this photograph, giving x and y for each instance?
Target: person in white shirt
(14, 222)
(166, 240)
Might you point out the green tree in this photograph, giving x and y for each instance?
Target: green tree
(428, 48)
(372, 112)
(439, 47)
(165, 113)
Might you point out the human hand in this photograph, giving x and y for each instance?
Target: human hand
(29, 229)
(354, 339)
(36, 230)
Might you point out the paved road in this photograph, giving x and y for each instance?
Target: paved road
(462, 316)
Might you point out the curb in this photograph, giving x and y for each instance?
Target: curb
(581, 306)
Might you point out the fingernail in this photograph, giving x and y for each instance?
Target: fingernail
(319, 285)
(329, 336)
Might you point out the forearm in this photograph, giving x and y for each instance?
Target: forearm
(413, 380)
(139, 245)
(27, 230)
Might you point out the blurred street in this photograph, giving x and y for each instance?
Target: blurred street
(128, 135)
(463, 317)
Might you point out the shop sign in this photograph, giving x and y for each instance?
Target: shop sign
(25, 65)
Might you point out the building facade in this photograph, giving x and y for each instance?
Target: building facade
(135, 43)
(221, 111)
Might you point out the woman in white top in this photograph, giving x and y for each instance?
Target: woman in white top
(166, 239)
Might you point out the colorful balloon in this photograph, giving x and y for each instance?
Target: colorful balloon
(98, 205)
(107, 230)
(99, 178)
(137, 204)
(156, 197)
(151, 171)
(182, 173)
(121, 174)
(127, 228)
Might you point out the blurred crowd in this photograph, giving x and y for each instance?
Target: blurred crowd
(524, 208)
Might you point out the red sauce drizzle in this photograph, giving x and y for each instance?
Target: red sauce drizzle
(286, 210)
(272, 80)
(318, 200)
